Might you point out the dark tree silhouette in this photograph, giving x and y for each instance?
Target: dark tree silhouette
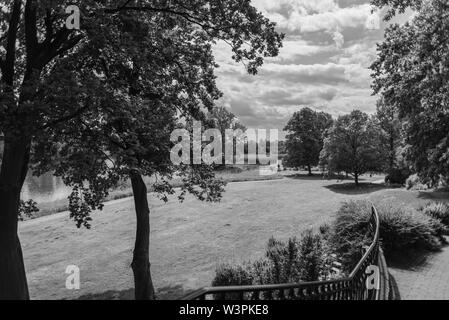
(136, 53)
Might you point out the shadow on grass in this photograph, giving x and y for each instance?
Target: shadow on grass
(352, 189)
(110, 295)
(165, 293)
(410, 260)
(304, 176)
(395, 293)
(438, 195)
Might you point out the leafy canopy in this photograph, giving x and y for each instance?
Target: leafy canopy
(353, 145)
(101, 102)
(306, 137)
(411, 72)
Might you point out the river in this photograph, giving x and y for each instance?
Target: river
(44, 189)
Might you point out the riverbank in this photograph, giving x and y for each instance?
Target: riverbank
(125, 190)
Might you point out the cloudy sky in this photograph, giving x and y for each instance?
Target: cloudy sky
(324, 63)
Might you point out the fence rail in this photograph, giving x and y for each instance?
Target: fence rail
(352, 288)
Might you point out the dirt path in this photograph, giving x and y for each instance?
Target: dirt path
(187, 240)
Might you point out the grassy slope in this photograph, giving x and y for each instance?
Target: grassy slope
(124, 191)
(187, 241)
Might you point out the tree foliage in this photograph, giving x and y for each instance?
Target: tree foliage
(222, 119)
(306, 137)
(392, 141)
(411, 72)
(104, 99)
(98, 104)
(353, 145)
(396, 6)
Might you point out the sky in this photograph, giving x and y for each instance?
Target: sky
(324, 63)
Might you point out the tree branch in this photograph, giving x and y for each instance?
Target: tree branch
(67, 117)
(59, 45)
(8, 69)
(186, 15)
(48, 26)
(2, 65)
(69, 44)
(30, 31)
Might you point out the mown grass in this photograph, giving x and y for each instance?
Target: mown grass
(243, 174)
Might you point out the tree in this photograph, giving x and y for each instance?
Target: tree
(306, 137)
(391, 125)
(91, 155)
(42, 95)
(222, 119)
(411, 72)
(353, 145)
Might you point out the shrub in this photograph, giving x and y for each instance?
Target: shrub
(311, 257)
(401, 230)
(350, 233)
(439, 211)
(414, 183)
(296, 260)
(231, 275)
(404, 229)
(303, 260)
(325, 231)
(398, 176)
(283, 261)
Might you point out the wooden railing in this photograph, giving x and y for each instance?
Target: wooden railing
(352, 288)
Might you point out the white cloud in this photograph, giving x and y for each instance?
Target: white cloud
(338, 38)
(303, 6)
(313, 16)
(323, 63)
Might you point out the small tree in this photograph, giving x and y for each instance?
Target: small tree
(306, 137)
(222, 119)
(353, 145)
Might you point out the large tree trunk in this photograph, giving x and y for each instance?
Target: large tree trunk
(309, 168)
(13, 282)
(144, 289)
(356, 178)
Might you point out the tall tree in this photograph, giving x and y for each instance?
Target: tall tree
(411, 72)
(306, 137)
(36, 51)
(353, 145)
(391, 125)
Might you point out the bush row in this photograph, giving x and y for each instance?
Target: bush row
(402, 230)
(335, 250)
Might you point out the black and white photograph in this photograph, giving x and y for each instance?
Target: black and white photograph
(227, 157)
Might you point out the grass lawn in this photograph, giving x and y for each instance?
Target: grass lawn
(249, 173)
(188, 240)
